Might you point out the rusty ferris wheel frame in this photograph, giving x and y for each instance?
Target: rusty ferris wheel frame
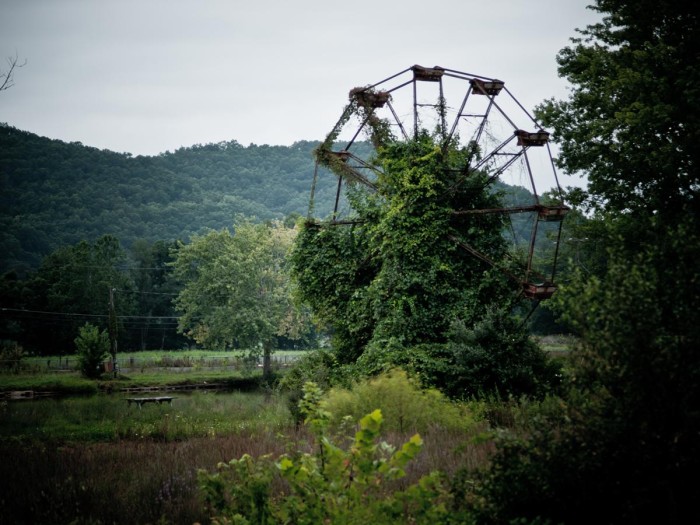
(501, 134)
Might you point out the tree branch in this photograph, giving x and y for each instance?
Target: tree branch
(6, 79)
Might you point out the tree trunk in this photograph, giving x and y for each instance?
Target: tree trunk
(267, 360)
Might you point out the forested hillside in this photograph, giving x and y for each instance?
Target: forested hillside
(54, 193)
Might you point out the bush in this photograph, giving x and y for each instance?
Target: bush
(11, 354)
(625, 446)
(404, 405)
(319, 367)
(92, 348)
(495, 356)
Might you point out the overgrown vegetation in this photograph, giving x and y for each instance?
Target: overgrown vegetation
(396, 290)
(424, 339)
(332, 484)
(61, 460)
(403, 403)
(624, 447)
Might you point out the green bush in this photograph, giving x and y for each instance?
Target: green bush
(404, 404)
(11, 354)
(319, 367)
(495, 356)
(331, 485)
(92, 348)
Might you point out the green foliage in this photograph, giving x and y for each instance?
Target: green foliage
(496, 355)
(77, 280)
(396, 280)
(319, 367)
(236, 291)
(92, 346)
(332, 485)
(11, 354)
(102, 417)
(69, 192)
(633, 106)
(625, 447)
(151, 274)
(405, 406)
(331, 268)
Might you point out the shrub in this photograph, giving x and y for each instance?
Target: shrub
(319, 367)
(11, 354)
(404, 404)
(92, 348)
(495, 356)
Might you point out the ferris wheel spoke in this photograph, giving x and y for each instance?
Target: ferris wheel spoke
(490, 131)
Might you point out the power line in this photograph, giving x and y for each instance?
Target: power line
(89, 315)
(146, 293)
(117, 268)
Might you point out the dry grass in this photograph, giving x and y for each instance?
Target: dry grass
(134, 482)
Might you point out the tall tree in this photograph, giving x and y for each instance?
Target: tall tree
(155, 290)
(626, 449)
(236, 290)
(74, 283)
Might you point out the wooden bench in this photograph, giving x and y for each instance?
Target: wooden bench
(141, 400)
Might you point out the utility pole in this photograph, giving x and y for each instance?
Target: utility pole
(113, 331)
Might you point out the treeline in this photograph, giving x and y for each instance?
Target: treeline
(77, 284)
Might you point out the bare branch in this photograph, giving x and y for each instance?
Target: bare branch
(6, 78)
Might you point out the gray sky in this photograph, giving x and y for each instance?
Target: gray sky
(148, 76)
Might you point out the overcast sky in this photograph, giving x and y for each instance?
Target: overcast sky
(148, 76)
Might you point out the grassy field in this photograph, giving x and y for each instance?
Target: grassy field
(109, 417)
(164, 358)
(556, 344)
(95, 459)
(59, 375)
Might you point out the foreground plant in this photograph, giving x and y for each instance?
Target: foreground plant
(331, 485)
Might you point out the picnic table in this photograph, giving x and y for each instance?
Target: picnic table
(140, 401)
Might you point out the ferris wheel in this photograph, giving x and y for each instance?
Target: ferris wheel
(505, 144)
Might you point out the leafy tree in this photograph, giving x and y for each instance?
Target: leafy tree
(236, 288)
(11, 354)
(74, 281)
(92, 346)
(155, 289)
(625, 447)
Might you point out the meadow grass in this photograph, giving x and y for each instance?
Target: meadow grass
(97, 460)
(109, 417)
(160, 357)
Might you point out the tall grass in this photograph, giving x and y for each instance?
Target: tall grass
(108, 417)
(134, 481)
(97, 460)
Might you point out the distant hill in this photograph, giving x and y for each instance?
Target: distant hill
(54, 193)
